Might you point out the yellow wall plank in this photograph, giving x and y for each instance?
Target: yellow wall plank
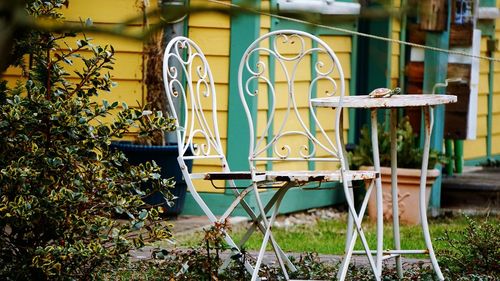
(220, 68)
(341, 44)
(212, 41)
(474, 148)
(109, 11)
(209, 19)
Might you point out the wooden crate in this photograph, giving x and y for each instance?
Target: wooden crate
(461, 34)
(433, 15)
(455, 126)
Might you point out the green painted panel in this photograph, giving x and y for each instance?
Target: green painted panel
(312, 124)
(245, 29)
(481, 160)
(487, 3)
(373, 63)
(435, 71)
(351, 134)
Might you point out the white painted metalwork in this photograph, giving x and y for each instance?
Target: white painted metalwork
(188, 81)
(291, 115)
(426, 102)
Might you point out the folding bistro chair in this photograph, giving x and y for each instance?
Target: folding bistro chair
(190, 91)
(278, 76)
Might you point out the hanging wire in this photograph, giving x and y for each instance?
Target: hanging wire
(343, 30)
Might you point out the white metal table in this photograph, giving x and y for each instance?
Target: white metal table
(394, 102)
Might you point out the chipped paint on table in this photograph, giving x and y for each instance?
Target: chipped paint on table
(366, 101)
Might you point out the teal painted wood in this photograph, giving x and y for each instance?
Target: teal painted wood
(402, 54)
(379, 59)
(491, 86)
(245, 29)
(388, 72)
(487, 3)
(312, 124)
(459, 155)
(272, 79)
(351, 133)
(295, 200)
(435, 71)
(481, 160)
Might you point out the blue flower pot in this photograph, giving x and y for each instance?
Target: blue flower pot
(166, 158)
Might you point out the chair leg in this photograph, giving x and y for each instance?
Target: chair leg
(267, 234)
(213, 219)
(257, 223)
(341, 275)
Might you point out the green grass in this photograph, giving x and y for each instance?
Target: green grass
(328, 236)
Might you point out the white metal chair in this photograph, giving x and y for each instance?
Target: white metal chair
(279, 75)
(190, 91)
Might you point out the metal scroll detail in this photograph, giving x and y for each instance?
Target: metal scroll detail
(292, 130)
(188, 81)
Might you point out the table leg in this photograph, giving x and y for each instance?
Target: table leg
(429, 120)
(378, 185)
(394, 189)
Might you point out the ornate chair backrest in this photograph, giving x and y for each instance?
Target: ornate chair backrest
(278, 75)
(190, 91)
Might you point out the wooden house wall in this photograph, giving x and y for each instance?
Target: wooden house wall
(395, 49)
(474, 149)
(211, 31)
(496, 95)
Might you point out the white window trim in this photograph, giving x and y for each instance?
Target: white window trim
(324, 7)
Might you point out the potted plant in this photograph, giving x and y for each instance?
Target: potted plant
(409, 165)
(160, 147)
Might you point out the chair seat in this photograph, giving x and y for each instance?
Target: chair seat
(285, 176)
(237, 175)
(323, 176)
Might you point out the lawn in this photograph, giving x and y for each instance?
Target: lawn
(328, 236)
(469, 253)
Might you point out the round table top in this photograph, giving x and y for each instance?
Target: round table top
(365, 101)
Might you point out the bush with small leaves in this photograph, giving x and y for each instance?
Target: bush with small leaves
(475, 252)
(61, 187)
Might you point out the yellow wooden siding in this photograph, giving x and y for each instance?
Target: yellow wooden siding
(109, 11)
(496, 96)
(211, 31)
(395, 51)
(477, 148)
(265, 21)
(127, 72)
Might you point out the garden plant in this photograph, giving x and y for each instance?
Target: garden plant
(61, 187)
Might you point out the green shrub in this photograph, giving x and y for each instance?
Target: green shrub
(475, 252)
(61, 187)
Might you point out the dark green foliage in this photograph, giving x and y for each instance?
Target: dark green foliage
(474, 252)
(409, 152)
(60, 185)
